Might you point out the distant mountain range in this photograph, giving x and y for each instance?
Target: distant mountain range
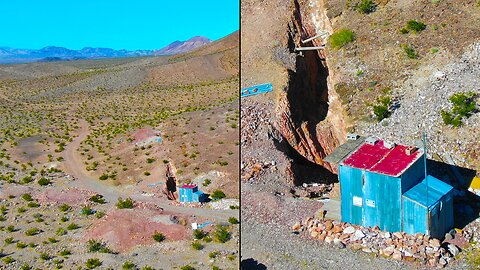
(52, 53)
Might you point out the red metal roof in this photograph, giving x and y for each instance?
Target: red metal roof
(188, 186)
(379, 159)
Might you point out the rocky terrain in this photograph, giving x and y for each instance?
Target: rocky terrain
(320, 95)
(84, 150)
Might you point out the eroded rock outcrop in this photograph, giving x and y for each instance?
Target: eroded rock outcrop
(309, 114)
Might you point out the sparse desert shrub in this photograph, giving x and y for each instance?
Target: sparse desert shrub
(61, 231)
(128, 265)
(8, 260)
(215, 267)
(10, 228)
(103, 176)
(21, 245)
(415, 26)
(233, 207)
(341, 37)
(207, 182)
(25, 266)
(410, 52)
(27, 197)
(198, 234)
(158, 236)
(221, 234)
(52, 240)
(381, 108)
(464, 106)
(99, 214)
(197, 245)
(45, 256)
(8, 240)
(147, 268)
(213, 254)
(65, 252)
(233, 220)
(146, 173)
(365, 6)
(97, 198)
(231, 257)
(128, 203)
(97, 246)
(150, 160)
(33, 205)
(93, 263)
(218, 194)
(43, 181)
(86, 210)
(72, 226)
(187, 267)
(207, 239)
(32, 231)
(64, 207)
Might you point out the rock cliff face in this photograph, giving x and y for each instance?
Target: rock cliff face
(309, 113)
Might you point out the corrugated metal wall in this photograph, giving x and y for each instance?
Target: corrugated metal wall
(186, 194)
(351, 194)
(383, 204)
(438, 219)
(414, 217)
(413, 175)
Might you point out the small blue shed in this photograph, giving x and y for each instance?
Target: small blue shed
(428, 209)
(372, 181)
(190, 193)
(383, 184)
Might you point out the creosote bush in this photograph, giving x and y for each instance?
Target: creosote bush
(158, 236)
(218, 194)
(381, 108)
(464, 106)
(128, 203)
(365, 6)
(221, 234)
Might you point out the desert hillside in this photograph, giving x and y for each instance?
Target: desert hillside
(85, 147)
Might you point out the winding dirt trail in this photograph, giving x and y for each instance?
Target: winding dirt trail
(74, 166)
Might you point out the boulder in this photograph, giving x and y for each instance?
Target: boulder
(453, 249)
(349, 230)
(328, 225)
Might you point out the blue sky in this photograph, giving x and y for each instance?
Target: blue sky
(117, 24)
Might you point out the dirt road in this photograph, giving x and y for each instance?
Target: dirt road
(74, 166)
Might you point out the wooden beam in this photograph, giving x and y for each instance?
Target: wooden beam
(310, 48)
(314, 37)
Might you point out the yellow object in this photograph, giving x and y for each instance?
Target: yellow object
(458, 230)
(475, 183)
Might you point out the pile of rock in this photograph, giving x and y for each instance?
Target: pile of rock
(252, 117)
(224, 204)
(399, 245)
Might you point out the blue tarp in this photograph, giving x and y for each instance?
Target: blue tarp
(257, 89)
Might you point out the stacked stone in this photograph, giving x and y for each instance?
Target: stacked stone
(419, 248)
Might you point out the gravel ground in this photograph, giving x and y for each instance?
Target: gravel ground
(279, 249)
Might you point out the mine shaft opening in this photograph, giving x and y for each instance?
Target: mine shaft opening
(307, 96)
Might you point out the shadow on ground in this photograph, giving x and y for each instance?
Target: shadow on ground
(251, 264)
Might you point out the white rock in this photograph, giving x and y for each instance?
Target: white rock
(359, 234)
(349, 230)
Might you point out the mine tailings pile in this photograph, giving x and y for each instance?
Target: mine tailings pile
(310, 117)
